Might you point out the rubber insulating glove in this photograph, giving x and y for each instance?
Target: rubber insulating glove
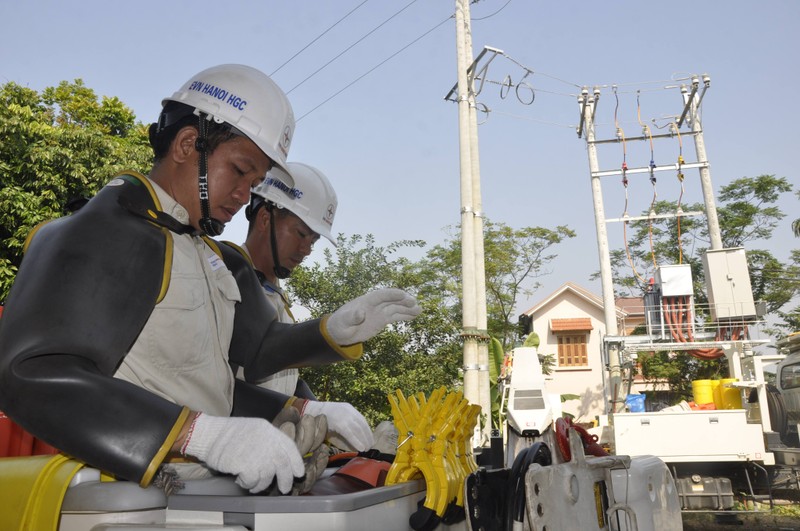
(309, 434)
(347, 428)
(252, 449)
(364, 317)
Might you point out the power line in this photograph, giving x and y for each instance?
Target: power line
(528, 119)
(359, 78)
(531, 71)
(318, 37)
(376, 28)
(493, 14)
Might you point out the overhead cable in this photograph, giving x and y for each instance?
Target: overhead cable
(493, 14)
(359, 78)
(373, 30)
(318, 37)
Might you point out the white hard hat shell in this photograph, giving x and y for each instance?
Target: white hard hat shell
(247, 99)
(305, 192)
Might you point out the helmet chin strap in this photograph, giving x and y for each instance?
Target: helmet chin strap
(208, 225)
(280, 271)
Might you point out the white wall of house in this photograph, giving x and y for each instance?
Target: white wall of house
(586, 381)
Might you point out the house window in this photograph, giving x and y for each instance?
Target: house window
(572, 351)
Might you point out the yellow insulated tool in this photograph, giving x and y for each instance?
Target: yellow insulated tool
(465, 428)
(457, 465)
(436, 446)
(402, 469)
(442, 448)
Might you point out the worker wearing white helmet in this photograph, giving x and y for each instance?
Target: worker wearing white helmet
(288, 213)
(223, 102)
(305, 199)
(125, 317)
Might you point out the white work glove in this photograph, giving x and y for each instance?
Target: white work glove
(251, 449)
(347, 428)
(365, 316)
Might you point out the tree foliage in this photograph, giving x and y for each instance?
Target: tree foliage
(425, 353)
(796, 222)
(514, 260)
(674, 372)
(416, 356)
(58, 146)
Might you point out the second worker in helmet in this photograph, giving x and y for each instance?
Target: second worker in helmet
(287, 214)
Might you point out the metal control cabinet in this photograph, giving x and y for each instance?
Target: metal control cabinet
(672, 283)
(674, 280)
(730, 295)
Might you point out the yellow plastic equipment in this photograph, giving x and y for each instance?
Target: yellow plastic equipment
(435, 435)
(32, 489)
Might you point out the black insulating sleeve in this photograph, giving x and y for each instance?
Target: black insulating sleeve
(106, 422)
(250, 400)
(302, 390)
(85, 288)
(261, 344)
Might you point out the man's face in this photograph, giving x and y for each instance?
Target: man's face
(234, 167)
(294, 238)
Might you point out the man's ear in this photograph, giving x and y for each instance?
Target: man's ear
(264, 217)
(183, 146)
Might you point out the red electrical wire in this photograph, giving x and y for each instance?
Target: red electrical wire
(678, 315)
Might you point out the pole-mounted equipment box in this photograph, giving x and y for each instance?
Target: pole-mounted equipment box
(730, 295)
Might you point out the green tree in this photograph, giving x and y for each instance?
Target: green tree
(416, 356)
(791, 317)
(796, 222)
(676, 371)
(425, 353)
(58, 146)
(514, 259)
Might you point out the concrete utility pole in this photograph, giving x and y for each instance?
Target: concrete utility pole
(587, 105)
(692, 101)
(474, 321)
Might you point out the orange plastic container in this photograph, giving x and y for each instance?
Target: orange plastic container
(702, 407)
(16, 442)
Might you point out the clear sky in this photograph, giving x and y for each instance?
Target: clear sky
(367, 80)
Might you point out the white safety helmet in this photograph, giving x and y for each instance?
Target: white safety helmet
(306, 193)
(248, 100)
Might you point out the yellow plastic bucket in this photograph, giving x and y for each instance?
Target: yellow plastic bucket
(730, 397)
(715, 389)
(702, 391)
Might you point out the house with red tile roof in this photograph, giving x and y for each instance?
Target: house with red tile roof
(570, 323)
